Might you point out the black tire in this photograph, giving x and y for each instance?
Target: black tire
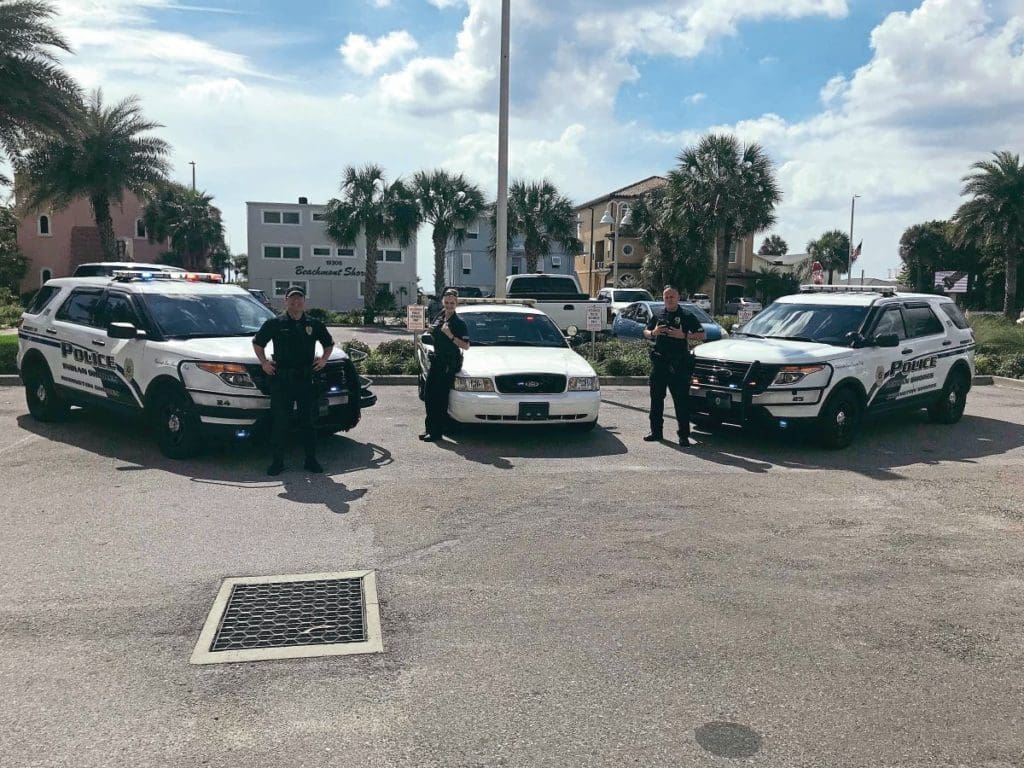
(949, 407)
(44, 402)
(353, 411)
(177, 425)
(840, 419)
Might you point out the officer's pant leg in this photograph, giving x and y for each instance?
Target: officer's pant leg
(280, 415)
(436, 391)
(305, 397)
(679, 386)
(658, 384)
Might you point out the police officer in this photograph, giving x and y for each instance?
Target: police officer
(451, 337)
(295, 335)
(670, 332)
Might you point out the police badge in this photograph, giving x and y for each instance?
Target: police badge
(309, 330)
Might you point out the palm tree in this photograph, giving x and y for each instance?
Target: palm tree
(773, 245)
(382, 211)
(730, 184)
(676, 247)
(450, 203)
(832, 249)
(191, 224)
(37, 97)
(771, 283)
(994, 218)
(106, 156)
(543, 217)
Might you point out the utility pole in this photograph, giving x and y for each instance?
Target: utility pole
(849, 255)
(193, 164)
(501, 236)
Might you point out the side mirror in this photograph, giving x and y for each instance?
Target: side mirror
(427, 340)
(571, 331)
(122, 331)
(887, 340)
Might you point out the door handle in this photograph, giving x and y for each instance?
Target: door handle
(946, 343)
(98, 343)
(569, 306)
(908, 351)
(51, 331)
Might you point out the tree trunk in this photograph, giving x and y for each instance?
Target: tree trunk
(1010, 295)
(440, 238)
(105, 225)
(721, 270)
(531, 259)
(830, 271)
(370, 281)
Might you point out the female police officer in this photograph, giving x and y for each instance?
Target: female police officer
(451, 337)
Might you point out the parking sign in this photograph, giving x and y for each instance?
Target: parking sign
(415, 317)
(595, 316)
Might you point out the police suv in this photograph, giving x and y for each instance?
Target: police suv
(175, 347)
(830, 355)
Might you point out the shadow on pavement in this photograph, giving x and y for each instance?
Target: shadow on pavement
(494, 446)
(239, 465)
(883, 446)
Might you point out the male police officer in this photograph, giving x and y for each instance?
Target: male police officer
(295, 335)
(670, 332)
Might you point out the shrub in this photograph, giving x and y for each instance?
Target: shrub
(402, 348)
(1011, 366)
(727, 322)
(325, 316)
(382, 365)
(996, 334)
(411, 367)
(8, 352)
(10, 308)
(985, 365)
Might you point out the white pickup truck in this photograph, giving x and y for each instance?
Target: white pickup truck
(557, 296)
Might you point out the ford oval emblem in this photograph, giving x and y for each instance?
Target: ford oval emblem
(531, 384)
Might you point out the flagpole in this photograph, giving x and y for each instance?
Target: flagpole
(849, 266)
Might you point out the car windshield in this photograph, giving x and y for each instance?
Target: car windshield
(807, 322)
(693, 309)
(512, 329)
(632, 296)
(191, 316)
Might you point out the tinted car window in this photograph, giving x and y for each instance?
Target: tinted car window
(80, 307)
(921, 321)
(118, 308)
(543, 285)
(43, 297)
(952, 311)
(891, 322)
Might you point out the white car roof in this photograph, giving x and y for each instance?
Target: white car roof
(852, 299)
(515, 309)
(178, 287)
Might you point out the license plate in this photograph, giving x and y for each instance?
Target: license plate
(533, 411)
(719, 400)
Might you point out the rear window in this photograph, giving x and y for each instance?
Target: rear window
(43, 297)
(921, 321)
(80, 307)
(953, 312)
(543, 285)
(92, 270)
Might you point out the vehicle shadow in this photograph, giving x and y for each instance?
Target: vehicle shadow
(238, 465)
(495, 445)
(882, 447)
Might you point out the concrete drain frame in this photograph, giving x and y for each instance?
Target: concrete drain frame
(372, 641)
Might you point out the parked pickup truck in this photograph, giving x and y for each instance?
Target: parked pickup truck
(559, 297)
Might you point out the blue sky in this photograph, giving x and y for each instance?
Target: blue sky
(890, 100)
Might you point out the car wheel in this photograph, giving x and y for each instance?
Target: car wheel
(839, 421)
(44, 402)
(951, 403)
(178, 428)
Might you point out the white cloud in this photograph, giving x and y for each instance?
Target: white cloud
(695, 98)
(381, 3)
(367, 56)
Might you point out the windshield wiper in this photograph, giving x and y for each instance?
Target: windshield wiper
(796, 338)
(751, 335)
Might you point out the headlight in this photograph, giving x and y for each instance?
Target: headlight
(232, 374)
(792, 374)
(583, 384)
(470, 384)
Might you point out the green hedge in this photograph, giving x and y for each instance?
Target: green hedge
(8, 352)
(1000, 350)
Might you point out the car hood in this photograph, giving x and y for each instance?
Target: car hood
(769, 351)
(228, 349)
(497, 361)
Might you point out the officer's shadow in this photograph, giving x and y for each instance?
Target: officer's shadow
(305, 488)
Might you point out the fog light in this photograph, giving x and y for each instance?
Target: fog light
(783, 424)
(335, 389)
(241, 434)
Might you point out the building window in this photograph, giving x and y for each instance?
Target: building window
(282, 252)
(281, 217)
(515, 267)
(627, 250)
(140, 228)
(280, 286)
(318, 216)
(390, 256)
(473, 231)
(467, 263)
(44, 275)
(734, 254)
(322, 250)
(346, 253)
(44, 226)
(556, 262)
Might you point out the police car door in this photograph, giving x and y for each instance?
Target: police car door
(74, 323)
(924, 367)
(120, 384)
(886, 362)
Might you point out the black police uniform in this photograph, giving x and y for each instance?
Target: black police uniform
(671, 367)
(294, 353)
(445, 362)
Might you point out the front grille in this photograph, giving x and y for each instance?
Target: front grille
(731, 375)
(333, 375)
(290, 614)
(530, 383)
(553, 417)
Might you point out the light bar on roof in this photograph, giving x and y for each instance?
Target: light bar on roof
(884, 290)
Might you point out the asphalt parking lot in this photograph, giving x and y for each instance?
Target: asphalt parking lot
(547, 599)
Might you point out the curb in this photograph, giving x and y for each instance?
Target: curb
(10, 380)
(1002, 381)
(982, 381)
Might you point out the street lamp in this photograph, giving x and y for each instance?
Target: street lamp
(626, 220)
(849, 255)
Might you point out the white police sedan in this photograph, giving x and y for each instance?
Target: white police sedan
(519, 369)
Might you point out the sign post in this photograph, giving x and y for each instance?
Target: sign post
(595, 318)
(415, 319)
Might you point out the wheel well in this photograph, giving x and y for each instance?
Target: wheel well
(33, 357)
(851, 385)
(160, 385)
(961, 366)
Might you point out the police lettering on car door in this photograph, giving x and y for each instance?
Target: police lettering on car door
(906, 377)
(94, 371)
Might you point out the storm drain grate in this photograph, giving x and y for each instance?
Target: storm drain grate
(281, 617)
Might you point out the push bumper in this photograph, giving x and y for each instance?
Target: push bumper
(773, 407)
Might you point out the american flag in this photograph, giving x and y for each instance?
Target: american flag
(856, 251)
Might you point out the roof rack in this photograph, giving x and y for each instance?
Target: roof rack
(148, 275)
(884, 290)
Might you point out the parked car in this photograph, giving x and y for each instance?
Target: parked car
(519, 369)
(467, 291)
(261, 297)
(620, 298)
(108, 268)
(558, 297)
(630, 322)
(828, 358)
(701, 300)
(733, 306)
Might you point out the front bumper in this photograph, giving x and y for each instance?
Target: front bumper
(498, 408)
(739, 406)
